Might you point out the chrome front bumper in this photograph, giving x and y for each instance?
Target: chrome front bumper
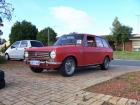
(45, 62)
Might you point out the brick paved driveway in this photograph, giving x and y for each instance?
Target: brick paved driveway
(50, 88)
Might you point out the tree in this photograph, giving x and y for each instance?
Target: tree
(116, 30)
(43, 35)
(6, 10)
(121, 33)
(22, 31)
(125, 34)
(110, 38)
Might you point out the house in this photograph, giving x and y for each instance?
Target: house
(135, 41)
(133, 44)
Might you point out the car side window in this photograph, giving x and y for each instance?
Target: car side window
(91, 41)
(105, 43)
(16, 44)
(99, 42)
(23, 44)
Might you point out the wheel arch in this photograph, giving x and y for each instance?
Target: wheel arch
(71, 56)
(106, 56)
(7, 54)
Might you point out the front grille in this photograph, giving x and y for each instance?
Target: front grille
(41, 55)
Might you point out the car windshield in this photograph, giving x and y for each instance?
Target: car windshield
(36, 44)
(69, 40)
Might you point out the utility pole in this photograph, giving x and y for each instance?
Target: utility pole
(138, 24)
(48, 36)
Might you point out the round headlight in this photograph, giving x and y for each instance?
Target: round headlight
(26, 54)
(53, 54)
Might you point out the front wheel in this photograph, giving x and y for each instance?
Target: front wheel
(36, 70)
(7, 56)
(105, 64)
(68, 67)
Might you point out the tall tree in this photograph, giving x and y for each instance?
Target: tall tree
(22, 31)
(125, 34)
(43, 36)
(110, 38)
(116, 30)
(121, 33)
(6, 10)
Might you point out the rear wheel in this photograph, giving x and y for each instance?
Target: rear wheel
(36, 70)
(105, 64)
(68, 67)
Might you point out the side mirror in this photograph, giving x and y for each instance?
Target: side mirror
(12, 47)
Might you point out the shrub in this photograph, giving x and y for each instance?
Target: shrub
(2, 59)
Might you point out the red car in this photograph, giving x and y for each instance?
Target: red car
(69, 52)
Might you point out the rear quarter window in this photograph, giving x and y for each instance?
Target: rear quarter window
(105, 43)
(36, 44)
(99, 42)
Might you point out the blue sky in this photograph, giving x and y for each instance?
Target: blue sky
(83, 16)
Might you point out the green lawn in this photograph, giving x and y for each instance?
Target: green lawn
(127, 55)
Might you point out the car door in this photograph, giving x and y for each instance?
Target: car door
(21, 49)
(90, 52)
(12, 51)
(100, 50)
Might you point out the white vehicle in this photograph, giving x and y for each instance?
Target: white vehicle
(16, 50)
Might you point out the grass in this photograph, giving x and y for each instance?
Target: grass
(127, 55)
(2, 60)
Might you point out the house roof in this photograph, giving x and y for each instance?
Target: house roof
(135, 37)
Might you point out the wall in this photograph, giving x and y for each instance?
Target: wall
(136, 45)
(128, 46)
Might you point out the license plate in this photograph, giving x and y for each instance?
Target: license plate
(35, 63)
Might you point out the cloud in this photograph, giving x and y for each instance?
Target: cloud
(74, 20)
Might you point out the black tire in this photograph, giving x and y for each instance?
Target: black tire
(1, 75)
(2, 83)
(68, 67)
(36, 70)
(7, 57)
(105, 64)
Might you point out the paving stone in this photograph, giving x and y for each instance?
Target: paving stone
(1, 103)
(122, 101)
(99, 96)
(106, 97)
(55, 103)
(7, 102)
(114, 100)
(99, 102)
(20, 103)
(26, 88)
(91, 95)
(43, 102)
(138, 103)
(88, 102)
(131, 102)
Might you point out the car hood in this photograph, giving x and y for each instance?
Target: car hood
(48, 48)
